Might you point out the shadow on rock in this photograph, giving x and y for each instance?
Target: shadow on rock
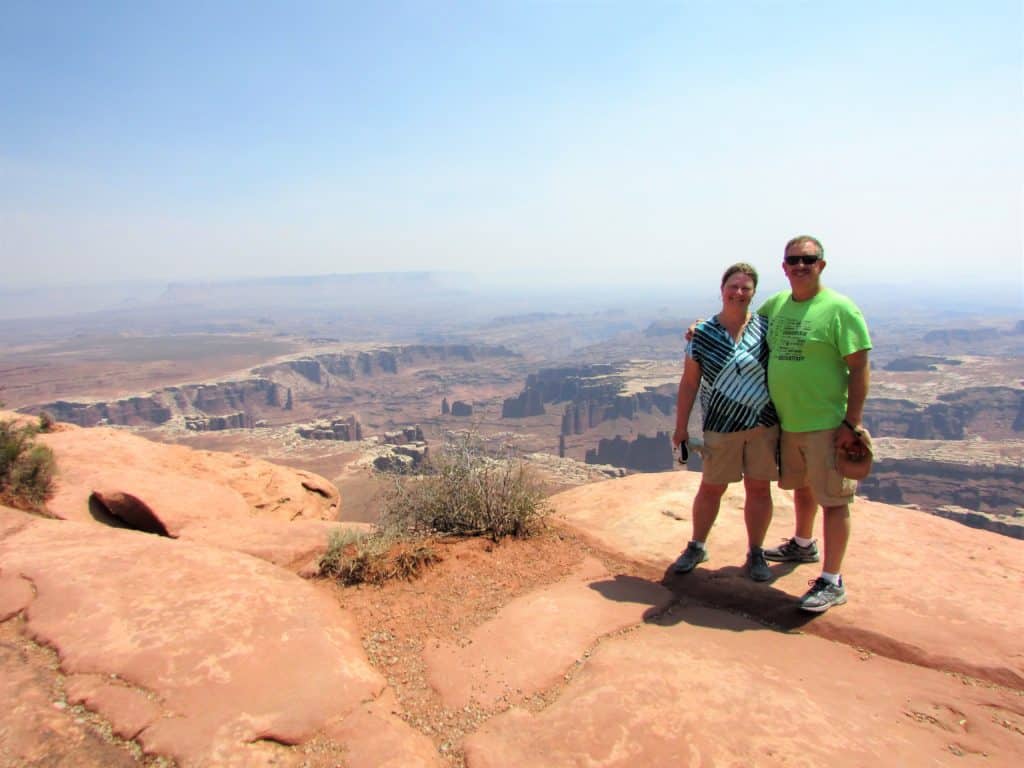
(127, 510)
(102, 515)
(633, 589)
(730, 589)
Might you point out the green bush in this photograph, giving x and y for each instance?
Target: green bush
(26, 469)
(467, 492)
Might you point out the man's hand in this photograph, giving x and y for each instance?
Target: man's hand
(679, 437)
(691, 329)
(848, 438)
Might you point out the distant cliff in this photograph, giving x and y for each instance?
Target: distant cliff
(388, 360)
(962, 335)
(643, 454)
(931, 482)
(992, 412)
(274, 387)
(237, 399)
(920, 363)
(595, 393)
(982, 485)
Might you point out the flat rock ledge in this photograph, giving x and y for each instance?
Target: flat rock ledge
(209, 656)
(533, 640)
(920, 588)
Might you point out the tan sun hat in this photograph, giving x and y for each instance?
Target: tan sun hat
(855, 462)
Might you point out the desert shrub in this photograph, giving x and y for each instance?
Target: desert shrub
(462, 491)
(356, 557)
(46, 421)
(467, 492)
(26, 469)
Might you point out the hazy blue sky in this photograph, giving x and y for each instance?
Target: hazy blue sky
(664, 140)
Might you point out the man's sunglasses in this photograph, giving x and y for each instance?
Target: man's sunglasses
(805, 260)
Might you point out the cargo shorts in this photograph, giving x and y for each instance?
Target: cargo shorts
(731, 456)
(808, 459)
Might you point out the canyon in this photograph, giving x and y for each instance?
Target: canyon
(930, 454)
(598, 386)
(166, 608)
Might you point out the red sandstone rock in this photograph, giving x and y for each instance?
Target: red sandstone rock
(707, 688)
(198, 510)
(534, 639)
(86, 456)
(920, 588)
(376, 738)
(36, 728)
(225, 500)
(233, 648)
(154, 502)
(216, 658)
(128, 709)
(15, 595)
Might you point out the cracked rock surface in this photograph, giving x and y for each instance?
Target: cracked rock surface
(574, 647)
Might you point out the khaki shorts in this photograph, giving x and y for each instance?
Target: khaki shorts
(808, 459)
(731, 456)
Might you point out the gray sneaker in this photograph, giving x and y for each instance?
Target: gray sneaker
(791, 552)
(692, 557)
(757, 568)
(823, 595)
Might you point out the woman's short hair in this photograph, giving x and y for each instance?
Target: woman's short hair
(743, 268)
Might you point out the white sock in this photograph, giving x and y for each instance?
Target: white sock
(802, 541)
(699, 544)
(832, 578)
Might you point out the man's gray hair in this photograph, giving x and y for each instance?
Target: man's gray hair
(801, 239)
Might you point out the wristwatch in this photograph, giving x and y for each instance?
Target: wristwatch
(855, 430)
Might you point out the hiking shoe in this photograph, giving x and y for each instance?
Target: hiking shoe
(791, 552)
(757, 568)
(822, 595)
(692, 557)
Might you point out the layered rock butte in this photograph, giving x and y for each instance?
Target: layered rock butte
(207, 642)
(948, 440)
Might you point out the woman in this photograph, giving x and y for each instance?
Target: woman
(726, 361)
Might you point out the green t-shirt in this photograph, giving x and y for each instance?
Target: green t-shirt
(807, 376)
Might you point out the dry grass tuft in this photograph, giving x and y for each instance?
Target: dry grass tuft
(354, 557)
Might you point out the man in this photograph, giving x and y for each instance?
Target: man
(818, 379)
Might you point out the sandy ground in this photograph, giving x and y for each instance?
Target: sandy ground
(475, 579)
